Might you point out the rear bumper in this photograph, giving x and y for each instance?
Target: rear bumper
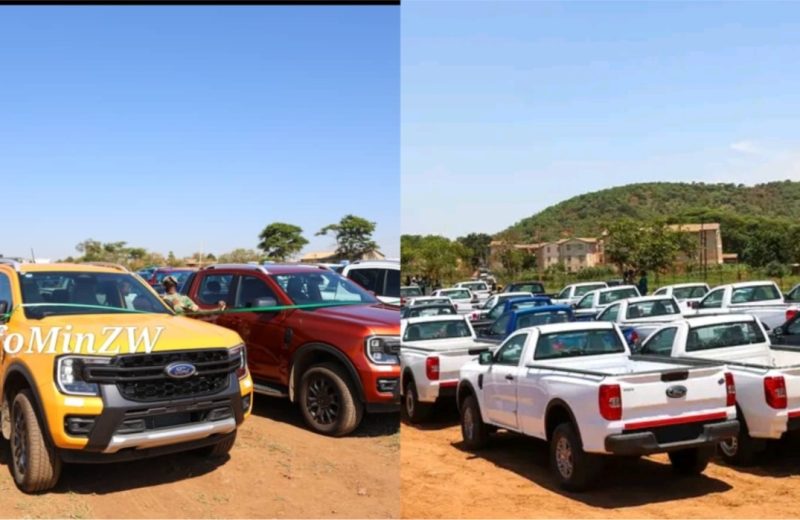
(645, 442)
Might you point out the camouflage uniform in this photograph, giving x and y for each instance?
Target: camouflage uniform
(181, 303)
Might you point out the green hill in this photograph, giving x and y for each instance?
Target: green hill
(743, 211)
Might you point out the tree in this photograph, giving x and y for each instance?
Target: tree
(240, 256)
(477, 248)
(649, 246)
(279, 241)
(353, 237)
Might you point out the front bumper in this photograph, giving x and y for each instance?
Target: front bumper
(646, 442)
(381, 385)
(126, 429)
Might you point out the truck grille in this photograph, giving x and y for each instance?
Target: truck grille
(142, 377)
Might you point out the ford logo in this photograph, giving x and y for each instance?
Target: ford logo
(180, 370)
(676, 391)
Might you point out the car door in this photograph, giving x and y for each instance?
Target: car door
(500, 384)
(264, 333)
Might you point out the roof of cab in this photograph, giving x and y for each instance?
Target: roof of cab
(699, 321)
(65, 267)
(440, 317)
(575, 326)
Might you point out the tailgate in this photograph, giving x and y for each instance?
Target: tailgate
(673, 393)
(450, 362)
(792, 378)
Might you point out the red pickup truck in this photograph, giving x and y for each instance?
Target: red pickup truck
(337, 355)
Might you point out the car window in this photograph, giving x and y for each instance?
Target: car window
(392, 288)
(407, 292)
(586, 302)
(215, 288)
(369, 279)
(564, 294)
(583, 289)
(321, 287)
(607, 297)
(5, 291)
(541, 318)
(457, 294)
(511, 351)
(610, 314)
(724, 335)
(794, 327)
(436, 330)
(660, 292)
(661, 342)
(651, 309)
(496, 311)
(499, 327)
(713, 300)
(756, 293)
(578, 343)
(684, 293)
(251, 289)
(430, 311)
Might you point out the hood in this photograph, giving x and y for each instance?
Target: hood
(371, 316)
(115, 331)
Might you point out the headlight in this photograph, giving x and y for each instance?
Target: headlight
(383, 350)
(69, 374)
(241, 352)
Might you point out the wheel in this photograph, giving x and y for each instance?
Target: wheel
(473, 430)
(574, 469)
(35, 465)
(328, 400)
(691, 461)
(415, 411)
(742, 449)
(220, 449)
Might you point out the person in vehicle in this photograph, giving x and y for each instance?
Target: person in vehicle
(181, 303)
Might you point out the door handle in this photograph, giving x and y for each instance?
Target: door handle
(509, 377)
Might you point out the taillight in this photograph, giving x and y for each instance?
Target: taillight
(790, 313)
(432, 368)
(610, 400)
(775, 391)
(730, 390)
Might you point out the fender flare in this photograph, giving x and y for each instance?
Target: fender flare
(463, 387)
(17, 367)
(310, 348)
(558, 402)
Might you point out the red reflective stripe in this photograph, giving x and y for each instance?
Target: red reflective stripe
(448, 384)
(794, 413)
(675, 420)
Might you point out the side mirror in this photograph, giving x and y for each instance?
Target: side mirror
(485, 358)
(694, 305)
(265, 302)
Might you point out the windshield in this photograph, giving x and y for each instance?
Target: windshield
(684, 293)
(617, 294)
(436, 330)
(541, 318)
(407, 292)
(535, 288)
(437, 310)
(583, 289)
(475, 286)
(321, 287)
(87, 293)
(724, 335)
(456, 294)
(651, 309)
(578, 343)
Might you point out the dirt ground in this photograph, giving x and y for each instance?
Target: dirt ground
(278, 468)
(510, 479)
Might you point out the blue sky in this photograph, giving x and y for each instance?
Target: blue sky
(192, 128)
(509, 107)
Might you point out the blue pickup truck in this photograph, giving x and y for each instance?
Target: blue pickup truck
(486, 319)
(513, 320)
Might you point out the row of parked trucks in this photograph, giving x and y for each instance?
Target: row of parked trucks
(608, 372)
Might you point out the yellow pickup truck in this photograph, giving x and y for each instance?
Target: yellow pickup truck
(94, 367)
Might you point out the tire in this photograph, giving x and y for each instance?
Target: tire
(740, 450)
(34, 463)
(692, 461)
(415, 412)
(473, 430)
(328, 400)
(574, 469)
(220, 449)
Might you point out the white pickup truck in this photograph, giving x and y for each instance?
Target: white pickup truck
(767, 377)
(760, 299)
(572, 294)
(479, 289)
(639, 317)
(432, 351)
(463, 299)
(576, 386)
(595, 301)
